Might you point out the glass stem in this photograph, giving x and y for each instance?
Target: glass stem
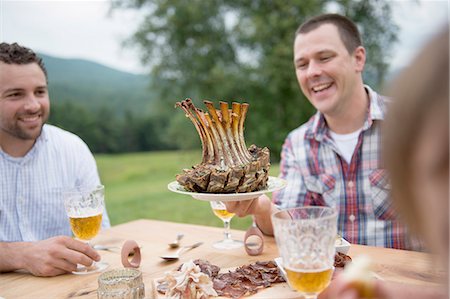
(227, 234)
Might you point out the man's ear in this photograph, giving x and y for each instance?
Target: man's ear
(359, 56)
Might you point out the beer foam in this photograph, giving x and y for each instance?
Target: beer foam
(84, 214)
(303, 270)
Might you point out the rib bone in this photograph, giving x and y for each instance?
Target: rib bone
(227, 165)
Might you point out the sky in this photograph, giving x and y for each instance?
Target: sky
(86, 30)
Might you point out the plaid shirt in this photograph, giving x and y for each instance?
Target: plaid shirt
(318, 175)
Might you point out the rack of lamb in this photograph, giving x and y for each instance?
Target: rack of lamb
(227, 165)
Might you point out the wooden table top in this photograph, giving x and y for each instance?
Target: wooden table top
(390, 264)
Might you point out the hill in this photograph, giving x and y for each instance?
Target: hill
(93, 85)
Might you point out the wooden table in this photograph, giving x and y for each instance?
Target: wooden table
(392, 265)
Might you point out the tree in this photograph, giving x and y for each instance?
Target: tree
(241, 50)
(99, 128)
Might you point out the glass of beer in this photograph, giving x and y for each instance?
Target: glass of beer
(305, 239)
(85, 206)
(220, 210)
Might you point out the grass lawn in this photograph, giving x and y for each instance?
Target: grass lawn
(136, 187)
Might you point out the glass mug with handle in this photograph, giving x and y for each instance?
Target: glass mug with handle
(305, 238)
(84, 207)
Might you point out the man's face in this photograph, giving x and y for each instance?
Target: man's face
(327, 73)
(24, 101)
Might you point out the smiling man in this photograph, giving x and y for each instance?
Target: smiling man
(21, 121)
(334, 158)
(37, 162)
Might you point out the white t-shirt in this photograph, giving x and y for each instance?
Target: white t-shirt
(346, 143)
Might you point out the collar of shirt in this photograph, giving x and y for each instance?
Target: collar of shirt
(376, 111)
(31, 153)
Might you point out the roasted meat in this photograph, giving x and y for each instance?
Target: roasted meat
(242, 281)
(227, 165)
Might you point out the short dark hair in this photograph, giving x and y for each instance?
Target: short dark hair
(16, 54)
(348, 31)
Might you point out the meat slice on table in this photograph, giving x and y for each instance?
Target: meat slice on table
(227, 166)
(242, 281)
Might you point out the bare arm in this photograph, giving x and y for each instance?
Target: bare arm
(261, 207)
(49, 257)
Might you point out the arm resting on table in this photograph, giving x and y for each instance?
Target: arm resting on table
(50, 257)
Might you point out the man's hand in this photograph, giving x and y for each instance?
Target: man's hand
(243, 208)
(261, 207)
(51, 257)
(340, 289)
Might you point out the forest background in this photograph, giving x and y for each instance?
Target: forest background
(221, 50)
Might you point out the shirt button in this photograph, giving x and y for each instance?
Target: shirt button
(351, 218)
(350, 184)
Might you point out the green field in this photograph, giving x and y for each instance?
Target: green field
(136, 187)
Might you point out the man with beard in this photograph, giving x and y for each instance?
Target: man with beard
(37, 162)
(334, 159)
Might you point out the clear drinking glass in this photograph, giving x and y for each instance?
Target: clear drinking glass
(85, 206)
(220, 210)
(305, 238)
(124, 283)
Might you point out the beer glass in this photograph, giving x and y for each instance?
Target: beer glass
(85, 206)
(305, 239)
(220, 210)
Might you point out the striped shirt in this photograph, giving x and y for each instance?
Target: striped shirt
(317, 174)
(31, 204)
